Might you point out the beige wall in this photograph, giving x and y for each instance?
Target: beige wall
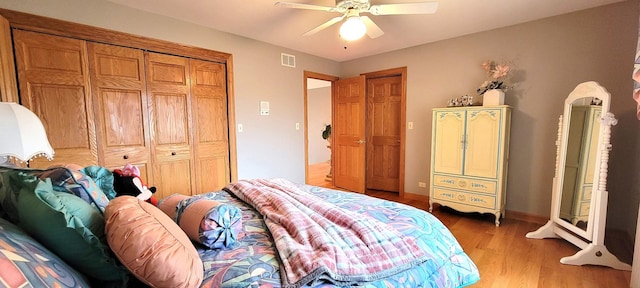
(550, 56)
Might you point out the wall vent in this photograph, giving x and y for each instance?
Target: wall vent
(288, 60)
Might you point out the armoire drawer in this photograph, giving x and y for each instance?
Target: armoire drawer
(465, 198)
(475, 185)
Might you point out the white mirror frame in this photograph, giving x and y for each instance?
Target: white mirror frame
(591, 240)
(587, 90)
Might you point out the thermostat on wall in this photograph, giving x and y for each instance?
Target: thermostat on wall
(264, 108)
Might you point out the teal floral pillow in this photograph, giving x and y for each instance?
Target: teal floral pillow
(103, 177)
(64, 179)
(26, 263)
(63, 222)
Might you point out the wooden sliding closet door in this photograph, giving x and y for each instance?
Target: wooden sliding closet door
(121, 107)
(170, 97)
(211, 135)
(54, 84)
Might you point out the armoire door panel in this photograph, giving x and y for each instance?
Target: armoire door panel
(120, 101)
(211, 137)
(448, 142)
(482, 143)
(54, 84)
(593, 147)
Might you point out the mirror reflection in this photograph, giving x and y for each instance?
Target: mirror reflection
(582, 146)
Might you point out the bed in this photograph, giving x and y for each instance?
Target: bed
(51, 211)
(255, 262)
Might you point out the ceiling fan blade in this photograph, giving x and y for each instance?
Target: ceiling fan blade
(405, 8)
(373, 31)
(304, 6)
(324, 25)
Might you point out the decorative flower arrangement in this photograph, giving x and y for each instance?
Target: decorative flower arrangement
(496, 76)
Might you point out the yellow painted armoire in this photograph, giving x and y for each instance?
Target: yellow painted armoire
(469, 157)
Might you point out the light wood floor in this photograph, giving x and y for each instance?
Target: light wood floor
(506, 258)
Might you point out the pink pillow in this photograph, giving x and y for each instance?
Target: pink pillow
(151, 245)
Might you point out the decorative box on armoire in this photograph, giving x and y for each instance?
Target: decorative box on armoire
(469, 157)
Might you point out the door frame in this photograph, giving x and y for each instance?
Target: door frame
(402, 72)
(319, 76)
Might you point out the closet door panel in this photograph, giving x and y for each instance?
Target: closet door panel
(120, 102)
(172, 177)
(172, 121)
(211, 138)
(170, 97)
(54, 84)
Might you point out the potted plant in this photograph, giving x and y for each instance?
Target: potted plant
(326, 132)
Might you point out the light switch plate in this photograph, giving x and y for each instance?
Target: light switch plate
(264, 108)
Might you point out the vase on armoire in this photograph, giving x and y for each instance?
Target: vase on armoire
(493, 97)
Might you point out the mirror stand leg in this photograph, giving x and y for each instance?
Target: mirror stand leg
(545, 231)
(596, 255)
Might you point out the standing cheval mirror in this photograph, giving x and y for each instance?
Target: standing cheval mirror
(579, 200)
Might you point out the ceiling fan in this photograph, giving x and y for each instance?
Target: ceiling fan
(356, 26)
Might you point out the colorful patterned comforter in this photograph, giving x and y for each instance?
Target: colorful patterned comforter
(255, 262)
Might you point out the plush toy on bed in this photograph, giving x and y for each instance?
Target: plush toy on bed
(127, 181)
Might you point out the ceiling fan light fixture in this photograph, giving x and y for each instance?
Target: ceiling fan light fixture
(353, 29)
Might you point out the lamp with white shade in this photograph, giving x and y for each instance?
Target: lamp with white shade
(22, 133)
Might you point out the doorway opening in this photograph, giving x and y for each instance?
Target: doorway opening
(318, 89)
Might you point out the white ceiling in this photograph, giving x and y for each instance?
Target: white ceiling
(261, 20)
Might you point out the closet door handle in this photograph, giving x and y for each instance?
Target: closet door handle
(125, 157)
(173, 153)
